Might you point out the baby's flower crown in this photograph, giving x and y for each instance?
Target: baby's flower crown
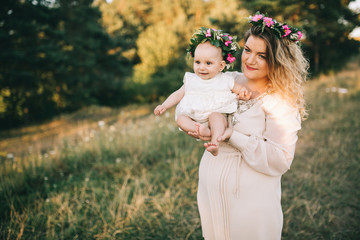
(280, 30)
(217, 38)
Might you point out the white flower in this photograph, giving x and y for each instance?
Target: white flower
(342, 90)
(46, 178)
(118, 160)
(294, 36)
(112, 128)
(101, 123)
(10, 155)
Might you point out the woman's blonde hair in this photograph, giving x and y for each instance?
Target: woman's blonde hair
(288, 68)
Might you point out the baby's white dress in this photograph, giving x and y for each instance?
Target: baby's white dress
(203, 97)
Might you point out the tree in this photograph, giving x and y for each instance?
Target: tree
(25, 74)
(56, 57)
(327, 26)
(94, 70)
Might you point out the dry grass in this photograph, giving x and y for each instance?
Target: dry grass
(124, 174)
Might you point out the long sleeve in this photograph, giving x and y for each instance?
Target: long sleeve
(273, 152)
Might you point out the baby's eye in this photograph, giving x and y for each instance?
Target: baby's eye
(208, 63)
(246, 50)
(197, 62)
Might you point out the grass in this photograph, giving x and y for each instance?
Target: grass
(134, 176)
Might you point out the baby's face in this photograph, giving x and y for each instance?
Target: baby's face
(208, 61)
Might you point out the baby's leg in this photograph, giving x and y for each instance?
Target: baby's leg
(217, 124)
(189, 125)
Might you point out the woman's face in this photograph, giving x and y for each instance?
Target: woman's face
(253, 60)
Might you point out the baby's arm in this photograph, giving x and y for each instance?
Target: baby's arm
(171, 101)
(242, 92)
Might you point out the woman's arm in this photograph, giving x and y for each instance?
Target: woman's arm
(272, 153)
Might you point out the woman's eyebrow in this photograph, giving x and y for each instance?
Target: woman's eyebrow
(257, 52)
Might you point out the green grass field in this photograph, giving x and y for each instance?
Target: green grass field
(134, 176)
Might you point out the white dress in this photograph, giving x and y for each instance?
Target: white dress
(239, 190)
(203, 97)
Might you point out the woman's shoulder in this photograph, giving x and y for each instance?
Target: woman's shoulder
(278, 110)
(276, 104)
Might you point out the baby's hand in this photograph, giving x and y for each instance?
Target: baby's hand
(244, 94)
(160, 109)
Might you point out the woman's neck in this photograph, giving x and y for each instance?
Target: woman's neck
(257, 87)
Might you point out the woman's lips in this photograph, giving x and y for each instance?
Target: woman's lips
(250, 68)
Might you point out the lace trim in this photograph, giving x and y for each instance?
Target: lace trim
(243, 106)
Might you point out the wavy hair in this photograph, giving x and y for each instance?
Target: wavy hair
(288, 68)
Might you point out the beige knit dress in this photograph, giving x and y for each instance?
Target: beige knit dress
(239, 192)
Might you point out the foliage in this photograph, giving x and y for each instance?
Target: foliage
(280, 30)
(55, 59)
(156, 48)
(136, 178)
(58, 56)
(328, 43)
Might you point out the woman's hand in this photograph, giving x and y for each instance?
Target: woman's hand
(197, 134)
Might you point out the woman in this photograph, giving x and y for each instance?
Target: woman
(239, 190)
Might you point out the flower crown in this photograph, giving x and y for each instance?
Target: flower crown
(280, 30)
(217, 38)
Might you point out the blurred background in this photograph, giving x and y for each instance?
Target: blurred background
(83, 157)
(58, 56)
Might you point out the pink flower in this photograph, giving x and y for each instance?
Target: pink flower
(230, 58)
(228, 42)
(287, 30)
(208, 33)
(268, 21)
(299, 34)
(257, 17)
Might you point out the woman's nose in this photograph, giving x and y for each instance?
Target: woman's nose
(251, 59)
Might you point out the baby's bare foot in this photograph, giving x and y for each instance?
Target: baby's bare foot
(213, 148)
(203, 131)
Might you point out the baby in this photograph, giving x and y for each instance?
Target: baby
(208, 94)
